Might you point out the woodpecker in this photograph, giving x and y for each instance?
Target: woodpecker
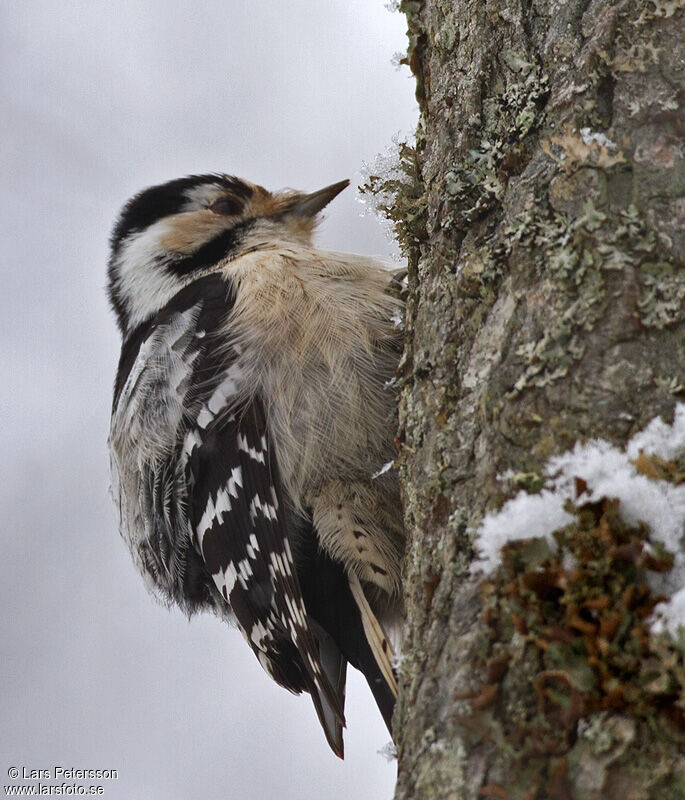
(252, 428)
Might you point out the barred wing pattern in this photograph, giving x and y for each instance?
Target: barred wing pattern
(198, 490)
(237, 518)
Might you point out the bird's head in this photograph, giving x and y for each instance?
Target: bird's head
(169, 234)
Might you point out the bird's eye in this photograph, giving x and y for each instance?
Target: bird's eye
(229, 206)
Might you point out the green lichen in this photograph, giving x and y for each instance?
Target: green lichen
(481, 266)
(662, 282)
(662, 299)
(416, 40)
(633, 49)
(596, 732)
(579, 253)
(476, 184)
(529, 482)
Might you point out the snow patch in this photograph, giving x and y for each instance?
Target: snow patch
(608, 472)
(524, 517)
(660, 439)
(670, 616)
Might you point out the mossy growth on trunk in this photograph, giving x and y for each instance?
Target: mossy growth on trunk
(541, 213)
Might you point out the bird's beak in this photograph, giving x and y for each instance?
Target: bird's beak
(307, 205)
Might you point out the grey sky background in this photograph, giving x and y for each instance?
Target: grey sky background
(97, 101)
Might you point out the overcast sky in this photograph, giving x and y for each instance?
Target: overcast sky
(99, 100)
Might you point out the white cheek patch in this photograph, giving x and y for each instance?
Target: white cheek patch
(143, 282)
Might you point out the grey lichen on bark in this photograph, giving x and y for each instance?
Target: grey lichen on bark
(542, 217)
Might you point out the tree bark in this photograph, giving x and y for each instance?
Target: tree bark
(542, 215)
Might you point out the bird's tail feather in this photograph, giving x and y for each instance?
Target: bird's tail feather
(346, 629)
(335, 668)
(382, 681)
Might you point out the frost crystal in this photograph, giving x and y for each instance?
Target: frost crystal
(389, 752)
(399, 59)
(385, 173)
(595, 137)
(609, 472)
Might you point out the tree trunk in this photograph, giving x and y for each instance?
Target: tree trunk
(542, 215)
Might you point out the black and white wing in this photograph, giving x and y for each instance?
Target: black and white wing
(156, 394)
(238, 523)
(199, 490)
